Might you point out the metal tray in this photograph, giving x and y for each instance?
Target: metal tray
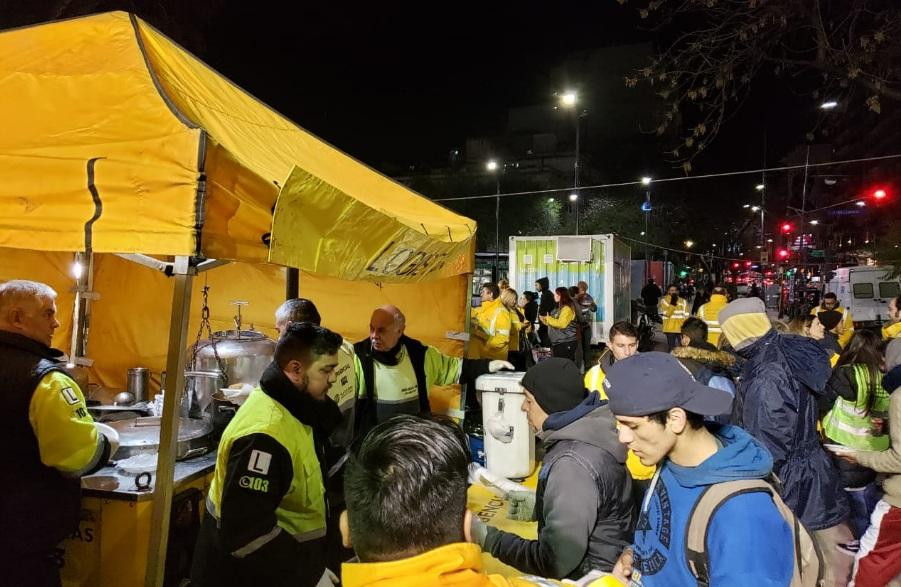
(142, 435)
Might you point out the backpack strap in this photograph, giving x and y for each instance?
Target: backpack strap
(807, 554)
(699, 521)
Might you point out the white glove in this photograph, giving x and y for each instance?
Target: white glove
(497, 365)
(112, 437)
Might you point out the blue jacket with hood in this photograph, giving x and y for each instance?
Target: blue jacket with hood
(781, 380)
(748, 541)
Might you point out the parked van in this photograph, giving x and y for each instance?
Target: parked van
(865, 291)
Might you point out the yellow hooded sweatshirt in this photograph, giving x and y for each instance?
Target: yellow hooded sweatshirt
(458, 564)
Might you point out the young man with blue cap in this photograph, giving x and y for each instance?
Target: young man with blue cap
(660, 409)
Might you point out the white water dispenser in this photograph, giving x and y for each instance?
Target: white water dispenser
(509, 442)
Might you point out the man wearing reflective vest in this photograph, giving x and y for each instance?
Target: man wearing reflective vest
(846, 328)
(710, 312)
(266, 508)
(674, 311)
(491, 325)
(396, 371)
(49, 438)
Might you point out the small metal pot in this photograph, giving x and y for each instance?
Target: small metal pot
(138, 383)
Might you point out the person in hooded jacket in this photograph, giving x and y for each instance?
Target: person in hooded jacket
(710, 312)
(583, 503)
(660, 410)
(782, 378)
(709, 365)
(546, 305)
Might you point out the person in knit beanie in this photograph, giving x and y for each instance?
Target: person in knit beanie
(776, 401)
(586, 510)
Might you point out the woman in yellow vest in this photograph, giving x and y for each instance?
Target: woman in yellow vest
(857, 420)
(265, 521)
(563, 327)
(674, 311)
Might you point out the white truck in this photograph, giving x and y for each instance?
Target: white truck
(866, 291)
(601, 260)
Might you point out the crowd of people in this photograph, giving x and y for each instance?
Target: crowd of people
(748, 455)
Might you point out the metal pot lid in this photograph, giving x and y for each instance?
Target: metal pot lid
(146, 431)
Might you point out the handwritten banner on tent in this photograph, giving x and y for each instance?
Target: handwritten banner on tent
(318, 228)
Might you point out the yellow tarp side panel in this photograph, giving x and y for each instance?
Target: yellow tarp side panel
(269, 145)
(54, 269)
(320, 229)
(130, 321)
(236, 219)
(78, 90)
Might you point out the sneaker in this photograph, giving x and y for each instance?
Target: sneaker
(850, 548)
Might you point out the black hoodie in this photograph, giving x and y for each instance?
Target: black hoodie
(546, 304)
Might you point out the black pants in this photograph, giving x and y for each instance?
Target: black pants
(586, 345)
(567, 350)
(673, 339)
(31, 570)
(543, 335)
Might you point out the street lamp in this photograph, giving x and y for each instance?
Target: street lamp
(646, 181)
(689, 244)
(759, 187)
(814, 222)
(573, 198)
(828, 105)
(493, 167)
(569, 99)
(746, 206)
(755, 208)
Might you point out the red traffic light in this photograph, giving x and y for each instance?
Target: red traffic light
(786, 227)
(783, 253)
(747, 263)
(879, 194)
(735, 265)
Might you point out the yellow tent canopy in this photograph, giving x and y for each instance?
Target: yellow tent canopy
(117, 140)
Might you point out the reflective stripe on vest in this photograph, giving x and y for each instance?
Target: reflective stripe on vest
(261, 541)
(849, 423)
(301, 511)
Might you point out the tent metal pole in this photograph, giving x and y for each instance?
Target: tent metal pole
(164, 487)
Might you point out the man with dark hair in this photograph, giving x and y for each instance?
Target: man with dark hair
(710, 312)
(396, 372)
(265, 520)
(491, 325)
(344, 393)
(546, 305)
(49, 438)
(650, 295)
(660, 410)
(892, 328)
(623, 343)
(406, 517)
(583, 502)
(845, 329)
(694, 333)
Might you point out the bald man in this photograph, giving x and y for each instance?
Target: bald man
(397, 371)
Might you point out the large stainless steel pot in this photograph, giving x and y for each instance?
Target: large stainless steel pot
(243, 355)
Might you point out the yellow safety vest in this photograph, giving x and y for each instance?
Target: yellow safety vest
(710, 314)
(301, 512)
(673, 315)
(849, 423)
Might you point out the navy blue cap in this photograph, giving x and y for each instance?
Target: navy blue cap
(648, 383)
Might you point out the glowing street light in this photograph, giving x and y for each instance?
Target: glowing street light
(828, 105)
(491, 165)
(689, 244)
(646, 180)
(746, 206)
(573, 197)
(755, 208)
(814, 222)
(759, 187)
(568, 99)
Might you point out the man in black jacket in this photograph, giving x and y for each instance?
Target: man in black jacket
(396, 372)
(650, 295)
(546, 305)
(49, 438)
(584, 501)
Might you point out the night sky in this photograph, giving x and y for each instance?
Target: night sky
(400, 84)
